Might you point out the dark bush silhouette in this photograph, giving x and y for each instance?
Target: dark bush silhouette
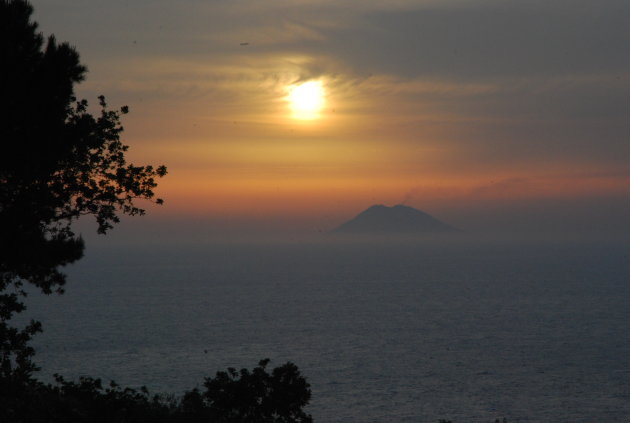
(256, 396)
(249, 397)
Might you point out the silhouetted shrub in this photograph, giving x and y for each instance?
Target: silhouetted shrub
(245, 396)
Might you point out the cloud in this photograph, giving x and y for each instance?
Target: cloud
(488, 40)
(454, 39)
(519, 187)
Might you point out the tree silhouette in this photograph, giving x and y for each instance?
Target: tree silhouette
(57, 163)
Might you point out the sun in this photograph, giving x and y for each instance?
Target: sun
(307, 100)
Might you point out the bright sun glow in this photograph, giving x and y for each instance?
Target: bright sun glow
(306, 100)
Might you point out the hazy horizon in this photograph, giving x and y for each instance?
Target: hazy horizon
(525, 226)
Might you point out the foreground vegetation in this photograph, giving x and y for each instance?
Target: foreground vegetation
(232, 396)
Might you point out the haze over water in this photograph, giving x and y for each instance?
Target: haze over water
(384, 332)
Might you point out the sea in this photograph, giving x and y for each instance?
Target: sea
(413, 331)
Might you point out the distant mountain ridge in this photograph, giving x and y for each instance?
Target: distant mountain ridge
(399, 219)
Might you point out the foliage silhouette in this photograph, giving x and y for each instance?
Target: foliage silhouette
(58, 162)
(256, 396)
(249, 397)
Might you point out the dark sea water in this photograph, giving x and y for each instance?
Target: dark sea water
(384, 333)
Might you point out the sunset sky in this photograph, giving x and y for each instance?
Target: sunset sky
(514, 113)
